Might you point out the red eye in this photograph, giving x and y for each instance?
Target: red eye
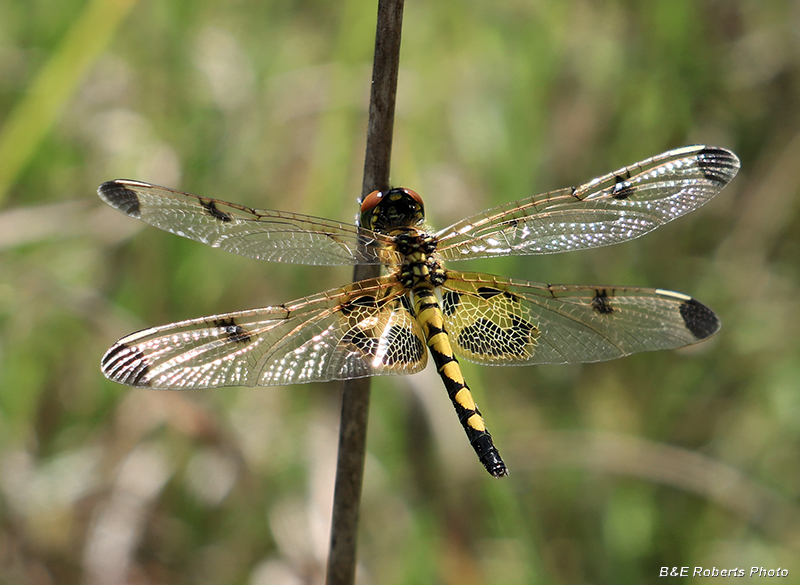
(414, 195)
(371, 200)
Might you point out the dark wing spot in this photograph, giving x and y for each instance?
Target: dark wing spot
(699, 319)
(366, 343)
(366, 301)
(404, 346)
(125, 364)
(236, 333)
(487, 292)
(601, 304)
(718, 165)
(120, 197)
(211, 207)
(522, 327)
(623, 188)
(450, 301)
(484, 337)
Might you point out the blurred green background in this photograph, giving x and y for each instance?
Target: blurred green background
(685, 458)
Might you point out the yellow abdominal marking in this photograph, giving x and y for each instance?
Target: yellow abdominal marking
(452, 371)
(464, 398)
(476, 422)
(437, 339)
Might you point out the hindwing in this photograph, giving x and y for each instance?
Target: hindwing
(499, 321)
(363, 329)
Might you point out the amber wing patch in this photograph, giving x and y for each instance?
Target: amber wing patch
(488, 323)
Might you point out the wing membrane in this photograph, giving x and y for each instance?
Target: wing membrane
(499, 321)
(614, 208)
(256, 233)
(362, 329)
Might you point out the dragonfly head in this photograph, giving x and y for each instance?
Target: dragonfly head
(396, 208)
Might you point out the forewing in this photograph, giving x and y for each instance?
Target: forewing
(363, 329)
(498, 321)
(620, 206)
(256, 233)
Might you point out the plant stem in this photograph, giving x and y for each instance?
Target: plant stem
(355, 398)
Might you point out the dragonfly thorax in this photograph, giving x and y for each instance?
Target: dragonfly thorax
(420, 265)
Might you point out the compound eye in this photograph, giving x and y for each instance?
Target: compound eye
(414, 195)
(371, 201)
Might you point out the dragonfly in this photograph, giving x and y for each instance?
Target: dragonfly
(389, 324)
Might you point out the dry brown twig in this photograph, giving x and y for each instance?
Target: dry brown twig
(355, 398)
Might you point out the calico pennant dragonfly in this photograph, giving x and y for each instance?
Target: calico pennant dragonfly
(382, 325)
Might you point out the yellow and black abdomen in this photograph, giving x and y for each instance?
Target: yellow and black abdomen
(429, 315)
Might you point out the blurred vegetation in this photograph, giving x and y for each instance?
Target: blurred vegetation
(687, 458)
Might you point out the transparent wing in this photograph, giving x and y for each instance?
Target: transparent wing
(362, 329)
(256, 233)
(498, 321)
(620, 206)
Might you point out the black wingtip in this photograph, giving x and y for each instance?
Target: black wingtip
(718, 164)
(125, 364)
(118, 196)
(699, 319)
